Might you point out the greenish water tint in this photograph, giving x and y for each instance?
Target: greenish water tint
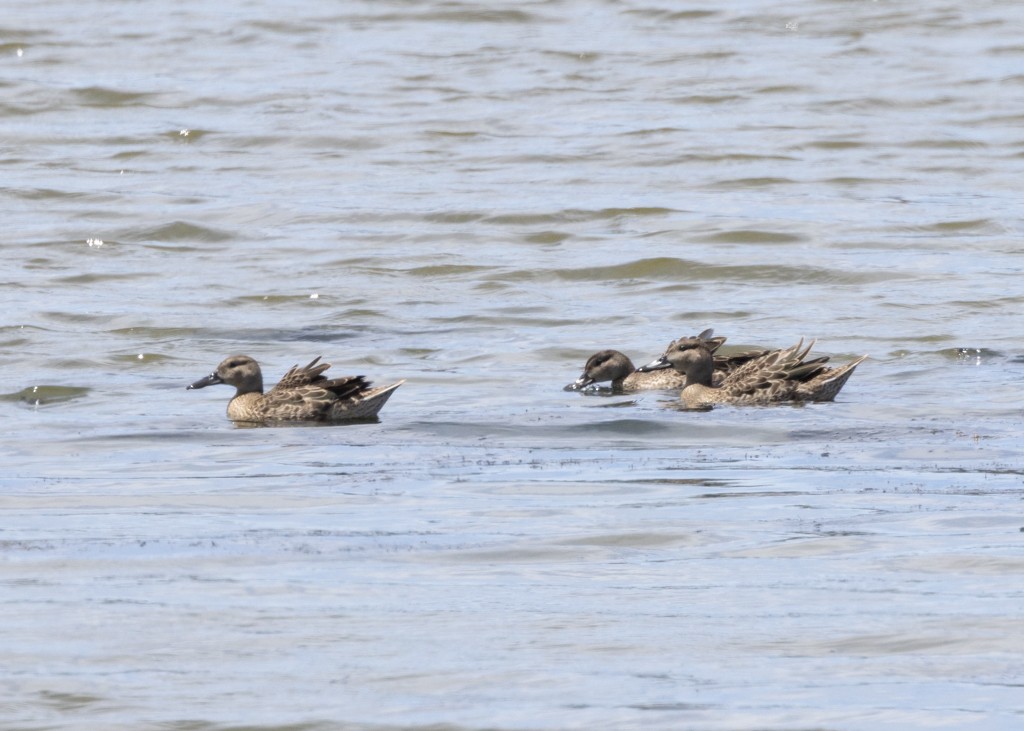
(44, 395)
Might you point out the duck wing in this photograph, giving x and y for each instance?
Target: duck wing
(304, 375)
(825, 385)
(774, 375)
(305, 393)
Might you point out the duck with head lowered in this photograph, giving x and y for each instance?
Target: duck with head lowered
(614, 366)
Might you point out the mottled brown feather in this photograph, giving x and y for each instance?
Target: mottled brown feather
(616, 367)
(304, 394)
(773, 376)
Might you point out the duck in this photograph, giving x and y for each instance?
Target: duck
(304, 394)
(773, 377)
(615, 366)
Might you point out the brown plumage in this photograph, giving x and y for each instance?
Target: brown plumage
(614, 366)
(771, 377)
(304, 394)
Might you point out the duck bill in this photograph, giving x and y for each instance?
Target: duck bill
(580, 383)
(210, 380)
(656, 365)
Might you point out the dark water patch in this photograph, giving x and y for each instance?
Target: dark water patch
(420, 354)
(665, 268)
(663, 14)
(704, 100)
(785, 89)
(743, 183)
(45, 395)
(50, 194)
(101, 96)
(492, 287)
(633, 427)
(703, 482)
(173, 248)
(709, 316)
(502, 321)
(20, 331)
(177, 231)
(360, 265)
(751, 236)
(653, 132)
(321, 143)
(69, 701)
(454, 217)
(94, 278)
(285, 27)
(130, 155)
(481, 15)
(712, 158)
(630, 540)
(980, 226)
(852, 181)
(946, 144)
(256, 335)
(77, 318)
(446, 270)
(576, 215)
(474, 431)
(547, 237)
(1010, 50)
(835, 144)
(319, 335)
(446, 133)
(361, 313)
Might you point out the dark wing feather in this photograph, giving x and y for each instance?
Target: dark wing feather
(304, 376)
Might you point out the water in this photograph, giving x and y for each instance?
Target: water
(476, 198)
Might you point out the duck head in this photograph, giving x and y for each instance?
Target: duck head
(239, 371)
(607, 365)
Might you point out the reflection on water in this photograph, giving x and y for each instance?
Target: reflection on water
(477, 199)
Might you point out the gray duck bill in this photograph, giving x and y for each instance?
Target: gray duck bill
(210, 380)
(655, 365)
(579, 383)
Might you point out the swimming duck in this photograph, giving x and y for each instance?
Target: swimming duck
(611, 365)
(304, 394)
(774, 376)
(614, 366)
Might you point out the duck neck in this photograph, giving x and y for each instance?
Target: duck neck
(628, 369)
(252, 384)
(700, 370)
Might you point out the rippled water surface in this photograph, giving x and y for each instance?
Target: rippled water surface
(476, 197)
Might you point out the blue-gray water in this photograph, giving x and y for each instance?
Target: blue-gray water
(476, 197)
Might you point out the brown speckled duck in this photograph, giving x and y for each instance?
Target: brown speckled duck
(611, 365)
(304, 394)
(773, 377)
